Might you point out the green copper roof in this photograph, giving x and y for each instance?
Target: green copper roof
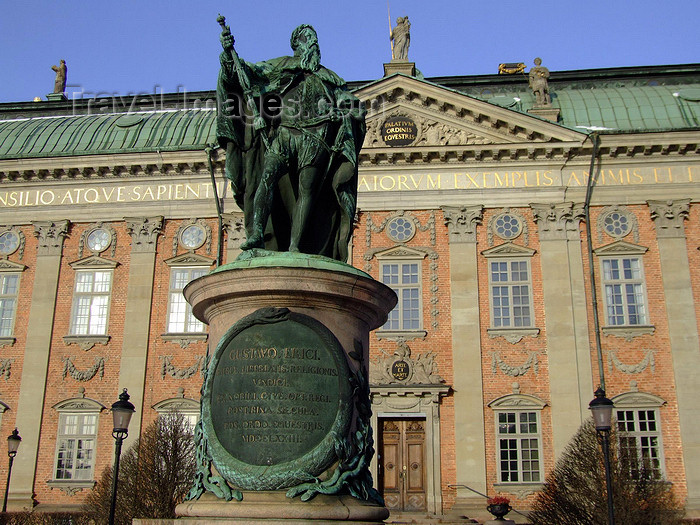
(103, 134)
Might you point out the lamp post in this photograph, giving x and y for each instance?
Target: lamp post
(13, 442)
(122, 411)
(601, 408)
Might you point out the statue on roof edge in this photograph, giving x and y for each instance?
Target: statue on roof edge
(292, 132)
(538, 79)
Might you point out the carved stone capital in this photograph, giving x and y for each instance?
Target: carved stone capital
(557, 221)
(462, 222)
(144, 232)
(50, 235)
(668, 217)
(235, 229)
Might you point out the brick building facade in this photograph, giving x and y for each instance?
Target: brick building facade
(485, 369)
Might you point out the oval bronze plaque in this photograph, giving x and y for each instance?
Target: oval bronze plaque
(399, 131)
(400, 370)
(276, 398)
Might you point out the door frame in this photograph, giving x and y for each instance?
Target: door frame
(417, 401)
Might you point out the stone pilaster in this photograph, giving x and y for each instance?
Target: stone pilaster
(235, 234)
(36, 359)
(566, 318)
(470, 442)
(139, 295)
(668, 217)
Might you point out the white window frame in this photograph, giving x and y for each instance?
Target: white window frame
(7, 324)
(607, 283)
(510, 285)
(518, 404)
(76, 411)
(188, 324)
(397, 315)
(93, 326)
(640, 406)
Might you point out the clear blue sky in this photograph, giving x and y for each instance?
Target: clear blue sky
(129, 46)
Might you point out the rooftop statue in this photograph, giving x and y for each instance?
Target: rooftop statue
(61, 70)
(538, 76)
(292, 133)
(401, 38)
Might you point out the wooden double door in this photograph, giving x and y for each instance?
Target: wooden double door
(401, 462)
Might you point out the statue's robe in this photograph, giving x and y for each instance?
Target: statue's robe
(330, 225)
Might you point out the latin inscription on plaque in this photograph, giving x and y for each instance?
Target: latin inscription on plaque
(277, 392)
(399, 131)
(399, 370)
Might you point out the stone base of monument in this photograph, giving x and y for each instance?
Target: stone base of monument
(285, 401)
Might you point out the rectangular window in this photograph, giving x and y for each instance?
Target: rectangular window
(91, 302)
(640, 441)
(75, 447)
(510, 294)
(9, 288)
(519, 447)
(625, 299)
(404, 279)
(180, 318)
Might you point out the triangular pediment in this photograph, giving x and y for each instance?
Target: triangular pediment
(94, 261)
(620, 248)
(9, 266)
(400, 252)
(444, 117)
(508, 249)
(190, 259)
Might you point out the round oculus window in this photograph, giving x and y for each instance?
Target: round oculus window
(9, 242)
(193, 237)
(98, 240)
(401, 229)
(616, 224)
(507, 226)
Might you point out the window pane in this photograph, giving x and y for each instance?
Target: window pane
(75, 446)
(180, 318)
(404, 279)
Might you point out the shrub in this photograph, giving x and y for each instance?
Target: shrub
(155, 474)
(574, 492)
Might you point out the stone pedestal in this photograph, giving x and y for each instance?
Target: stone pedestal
(286, 394)
(400, 66)
(548, 112)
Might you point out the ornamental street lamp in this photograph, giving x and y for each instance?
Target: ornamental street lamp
(602, 408)
(13, 442)
(122, 411)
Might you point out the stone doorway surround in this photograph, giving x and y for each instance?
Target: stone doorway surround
(414, 401)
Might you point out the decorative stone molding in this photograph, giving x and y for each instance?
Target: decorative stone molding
(189, 259)
(630, 217)
(70, 486)
(83, 375)
(637, 399)
(98, 225)
(512, 335)
(93, 262)
(184, 339)
(79, 404)
(647, 361)
(144, 232)
(620, 248)
(7, 341)
(520, 490)
(628, 332)
(177, 404)
(235, 229)
(50, 235)
(192, 222)
(557, 221)
(490, 232)
(86, 342)
(401, 368)
(462, 222)
(514, 371)
(6, 368)
(400, 335)
(668, 217)
(10, 266)
(167, 368)
(517, 401)
(21, 238)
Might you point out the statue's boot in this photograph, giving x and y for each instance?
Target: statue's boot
(256, 241)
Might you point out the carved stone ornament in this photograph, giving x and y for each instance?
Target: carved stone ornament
(557, 221)
(401, 368)
(462, 222)
(83, 375)
(647, 361)
(107, 238)
(192, 234)
(505, 222)
(50, 235)
(168, 368)
(86, 342)
(12, 240)
(144, 232)
(6, 368)
(235, 229)
(668, 217)
(617, 222)
(378, 228)
(514, 371)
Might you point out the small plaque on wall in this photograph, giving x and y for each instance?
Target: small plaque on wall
(399, 131)
(400, 370)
